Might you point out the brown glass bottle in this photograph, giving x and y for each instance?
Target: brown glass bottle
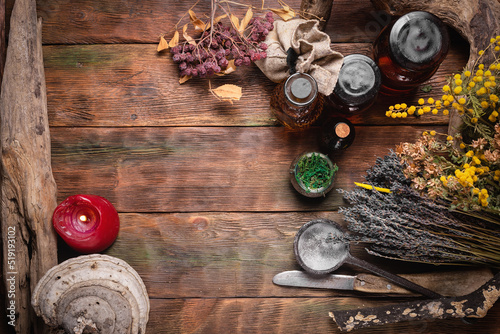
(337, 134)
(409, 51)
(296, 102)
(357, 85)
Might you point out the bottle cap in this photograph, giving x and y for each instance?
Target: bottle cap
(342, 130)
(418, 40)
(358, 81)
(301, 89)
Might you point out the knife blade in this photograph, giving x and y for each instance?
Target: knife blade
(452, 283)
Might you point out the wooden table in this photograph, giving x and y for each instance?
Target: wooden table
(208, 214)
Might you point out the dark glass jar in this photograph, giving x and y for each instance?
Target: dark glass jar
(409, 51)
(296, 102)
(337, 134)
(357, 85)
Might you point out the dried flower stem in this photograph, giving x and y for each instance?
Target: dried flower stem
(407, 226)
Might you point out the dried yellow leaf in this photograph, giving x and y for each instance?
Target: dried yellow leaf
(246, 20)
(227, 92)
(286, 13)
(216, 20)
(185, 78)
(197, 23)
(235, 21)
(188, 38)
(175, 40)
(230, 67)
(163, 45)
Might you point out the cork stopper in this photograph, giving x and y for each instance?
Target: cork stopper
(342, 130)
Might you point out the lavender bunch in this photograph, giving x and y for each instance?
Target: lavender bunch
(406, 226)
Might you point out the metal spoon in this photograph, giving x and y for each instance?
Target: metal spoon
(321, 247)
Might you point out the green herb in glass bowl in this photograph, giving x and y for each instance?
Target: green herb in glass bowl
(312, 174)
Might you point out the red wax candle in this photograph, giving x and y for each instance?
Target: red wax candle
(87, 223)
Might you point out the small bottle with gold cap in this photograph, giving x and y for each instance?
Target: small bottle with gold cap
(296, 102)
(337, 134)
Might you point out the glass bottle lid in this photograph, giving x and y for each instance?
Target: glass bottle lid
(358, 81)
(418, 39)
(301, 89)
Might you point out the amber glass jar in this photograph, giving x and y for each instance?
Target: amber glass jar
(337, 134)
(409, 51)
(296, 102)
(357, 85)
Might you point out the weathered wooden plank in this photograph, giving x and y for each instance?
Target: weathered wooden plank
(203, 168)
(133, 85)
(286, 315)
(221, 255)
(93, 21)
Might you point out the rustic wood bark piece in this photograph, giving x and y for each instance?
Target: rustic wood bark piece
(3, 45)
(317, 9)
(28, 187)
(473, 305)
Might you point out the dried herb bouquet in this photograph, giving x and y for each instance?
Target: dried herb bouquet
(444, 204)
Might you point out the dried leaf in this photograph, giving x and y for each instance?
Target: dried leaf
(216, 20)
(235, 21)
(185, 78)
(227, 92)
(286, 13)
(426, 88)
(246, 20)
(188, 38)
(197, 23)
(175, 40)
(229, 69)
(163, 45)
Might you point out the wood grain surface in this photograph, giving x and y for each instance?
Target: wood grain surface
(133, 85)
(167, 169)
(207, 211)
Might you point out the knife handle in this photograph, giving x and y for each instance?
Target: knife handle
(376, 284)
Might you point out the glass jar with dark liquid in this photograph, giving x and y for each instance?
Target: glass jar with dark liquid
(357, 85)
(409, 51)
(337, 133)
(296, 102)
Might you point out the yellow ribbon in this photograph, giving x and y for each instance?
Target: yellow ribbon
(367, 186)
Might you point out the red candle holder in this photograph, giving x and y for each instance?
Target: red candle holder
(87, 223)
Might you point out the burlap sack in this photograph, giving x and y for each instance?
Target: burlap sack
(313, 48)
